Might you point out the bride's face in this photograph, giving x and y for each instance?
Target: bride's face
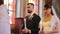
(47, 11)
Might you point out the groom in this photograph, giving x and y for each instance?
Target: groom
(32, 21)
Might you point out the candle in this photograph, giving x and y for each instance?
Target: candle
(25, 22)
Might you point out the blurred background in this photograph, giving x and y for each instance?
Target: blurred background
(17, 11)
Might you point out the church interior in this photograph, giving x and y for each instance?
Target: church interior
(17, 11)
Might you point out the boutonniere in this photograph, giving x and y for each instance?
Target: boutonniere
(31, 17)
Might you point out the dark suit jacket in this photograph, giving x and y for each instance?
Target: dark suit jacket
(33, 24)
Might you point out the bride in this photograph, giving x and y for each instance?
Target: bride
(49, 23)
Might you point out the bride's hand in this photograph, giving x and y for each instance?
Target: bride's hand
(49, 32)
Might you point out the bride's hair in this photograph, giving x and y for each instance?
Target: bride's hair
(47, 7)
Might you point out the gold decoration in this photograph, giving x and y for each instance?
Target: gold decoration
(45, 19)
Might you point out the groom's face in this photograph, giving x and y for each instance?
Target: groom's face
(30, 8)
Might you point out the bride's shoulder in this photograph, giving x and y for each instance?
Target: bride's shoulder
(54, 18)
